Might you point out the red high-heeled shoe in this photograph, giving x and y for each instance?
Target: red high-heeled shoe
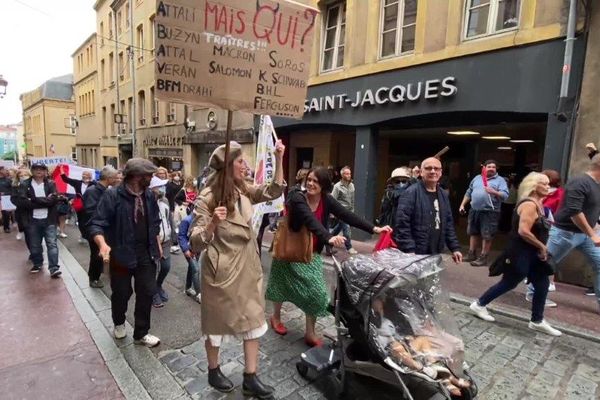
(313, 342)
(279, 328)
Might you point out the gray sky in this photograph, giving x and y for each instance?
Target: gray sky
(38, 38)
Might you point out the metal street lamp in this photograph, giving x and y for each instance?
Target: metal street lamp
(3, 85)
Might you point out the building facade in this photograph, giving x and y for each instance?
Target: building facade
(175, 136)
(47, 115)
(94, 147)
(395, 81)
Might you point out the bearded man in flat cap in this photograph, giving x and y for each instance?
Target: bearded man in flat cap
(126, 228)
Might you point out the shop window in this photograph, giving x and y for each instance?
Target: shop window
(488, 17)
(74, 153)
(398, 23)
(334, 37)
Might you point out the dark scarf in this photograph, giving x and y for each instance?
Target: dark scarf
(139, 203)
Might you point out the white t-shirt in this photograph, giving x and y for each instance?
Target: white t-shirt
(84, 187)
(39, 213)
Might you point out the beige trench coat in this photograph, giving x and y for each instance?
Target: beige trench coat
(232, 280)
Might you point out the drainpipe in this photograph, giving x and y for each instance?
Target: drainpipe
(561, 113)
(133, 93)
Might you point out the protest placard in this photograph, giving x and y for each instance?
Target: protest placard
(238, 55)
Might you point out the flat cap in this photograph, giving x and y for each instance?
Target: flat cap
(138, 166)
(217, 159)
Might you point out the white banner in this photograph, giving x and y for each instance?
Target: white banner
(51, 161)
(265, 170)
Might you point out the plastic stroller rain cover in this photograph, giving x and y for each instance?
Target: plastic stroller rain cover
(407, 315)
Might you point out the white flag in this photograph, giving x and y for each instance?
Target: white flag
(265, 170)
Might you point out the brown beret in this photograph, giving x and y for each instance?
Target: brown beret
(138, 166)
(217, 159)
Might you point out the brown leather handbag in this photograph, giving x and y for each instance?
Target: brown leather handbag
(292, 246)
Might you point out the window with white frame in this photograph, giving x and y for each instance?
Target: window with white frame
(171, 112)
(155, 112)
(487, 17)
(398, 23)
(142, 107)
(334, 37)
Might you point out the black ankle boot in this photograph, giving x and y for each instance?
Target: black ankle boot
(252, 386)
(219, 381)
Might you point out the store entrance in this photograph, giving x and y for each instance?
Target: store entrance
(516, 145)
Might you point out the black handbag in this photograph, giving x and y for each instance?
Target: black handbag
(500, 264)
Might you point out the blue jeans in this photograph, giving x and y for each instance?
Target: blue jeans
(343, 227)
(561, 242)
(165, 264)
(525, 265)
(193, 274)
(36, 231)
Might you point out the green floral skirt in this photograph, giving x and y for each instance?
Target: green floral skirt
(300, 284)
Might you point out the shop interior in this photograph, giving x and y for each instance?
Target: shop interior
(515, 141)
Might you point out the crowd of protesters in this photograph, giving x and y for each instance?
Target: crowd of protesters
(134, 219)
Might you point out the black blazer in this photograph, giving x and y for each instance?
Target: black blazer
(300, 214)
(76, 183)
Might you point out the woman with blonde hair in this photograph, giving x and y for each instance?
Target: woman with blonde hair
(233, 303)
(526, 255)
(21, 176)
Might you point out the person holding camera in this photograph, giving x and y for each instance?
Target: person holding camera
(38, 199)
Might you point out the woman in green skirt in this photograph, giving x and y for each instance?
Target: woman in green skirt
(303, 284)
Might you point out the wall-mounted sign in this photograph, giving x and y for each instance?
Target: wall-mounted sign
(164, 140)
(162, 152)
(429, 89)
(242, 55)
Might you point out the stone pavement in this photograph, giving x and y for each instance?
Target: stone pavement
(508, 360)
(47, 351)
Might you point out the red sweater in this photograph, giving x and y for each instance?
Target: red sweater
(554, 200)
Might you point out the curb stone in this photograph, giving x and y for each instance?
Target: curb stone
(89, 305)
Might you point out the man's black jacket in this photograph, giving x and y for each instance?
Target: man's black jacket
(113, 218)
(414, 218)
(26, 201)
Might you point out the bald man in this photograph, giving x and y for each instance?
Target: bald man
(423, 223)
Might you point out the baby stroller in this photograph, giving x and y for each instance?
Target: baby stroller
(394, 323)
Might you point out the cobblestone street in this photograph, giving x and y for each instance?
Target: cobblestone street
(508, 361)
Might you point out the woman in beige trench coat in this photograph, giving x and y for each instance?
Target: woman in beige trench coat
(232, 280)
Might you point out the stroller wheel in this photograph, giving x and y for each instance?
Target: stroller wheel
(302, 370)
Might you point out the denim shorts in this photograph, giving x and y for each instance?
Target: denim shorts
(483, 223)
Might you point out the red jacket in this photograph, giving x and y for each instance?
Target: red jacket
(554, 200)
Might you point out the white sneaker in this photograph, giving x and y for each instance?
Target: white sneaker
(175, 249)
(481, 312)
(544, 327)
(148, 341)
(120, 332)
(549, 303)
(19, 236)
(352, 252)
(198, 298)
(62, 235)
(552, 287)
(190, 292)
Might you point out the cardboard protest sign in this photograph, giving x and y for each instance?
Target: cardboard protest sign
(238, 55)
